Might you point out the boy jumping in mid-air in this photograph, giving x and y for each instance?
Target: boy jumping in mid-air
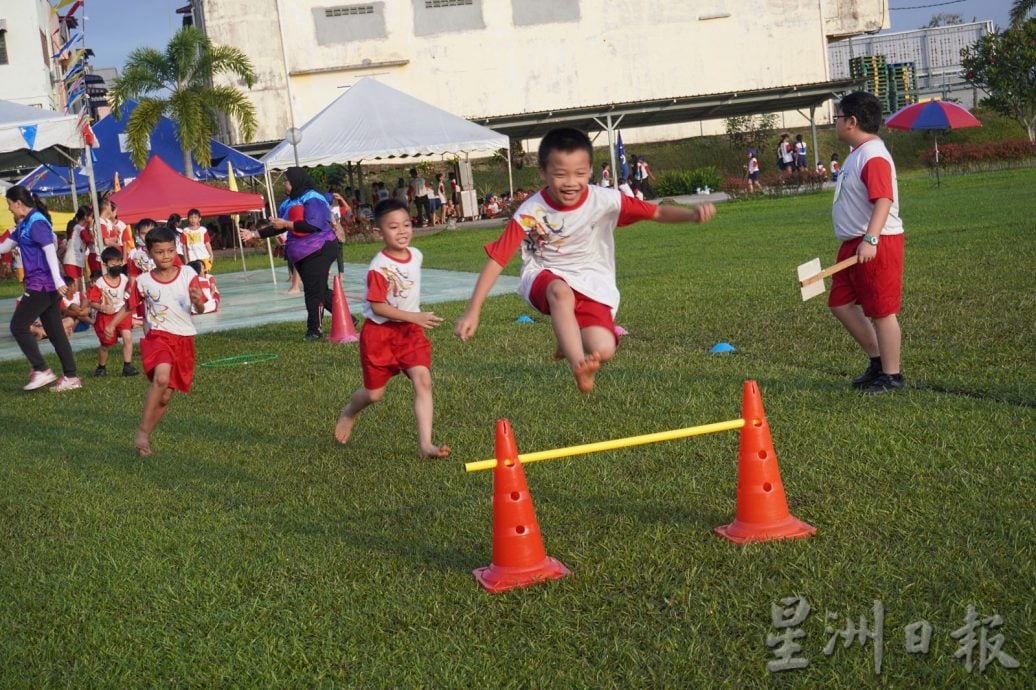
(392, 339)
(865, 297)
(566, 233)
(167, 350)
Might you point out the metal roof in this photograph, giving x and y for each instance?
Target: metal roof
(668, 111)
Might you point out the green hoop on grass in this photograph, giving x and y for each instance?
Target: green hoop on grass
(241, 360)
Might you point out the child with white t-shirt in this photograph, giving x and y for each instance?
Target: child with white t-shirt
(566, 234)
(392, 339)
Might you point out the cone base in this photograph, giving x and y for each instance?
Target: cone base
(342, 339)
(498, 578)
(743, 532)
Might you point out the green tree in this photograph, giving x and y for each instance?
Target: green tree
(750, 131)
(179, 84)
(1020, 10)
(1003, 65)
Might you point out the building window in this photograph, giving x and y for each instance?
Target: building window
(3, 47)
(348, 10)
(533, 12)
(433, 4)
(433, 17)
(349, 23)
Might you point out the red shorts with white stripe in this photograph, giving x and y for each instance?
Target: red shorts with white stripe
(160, 347)
(589, 312)
(876, 285)
(387, 349)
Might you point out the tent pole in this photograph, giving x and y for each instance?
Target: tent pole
(813, 133)
(96, 229)
(273, 211)
(510, 176)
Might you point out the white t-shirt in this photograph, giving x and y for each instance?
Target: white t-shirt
(196, 239)
(396, 282)
(418, 186)
(111, 296)
(576, 243)
(75, 247)
(167, 305)
(867, 174)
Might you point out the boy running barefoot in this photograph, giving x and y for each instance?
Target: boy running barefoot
(167, 350)
(566, 234)
(392, 339)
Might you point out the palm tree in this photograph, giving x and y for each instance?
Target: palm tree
(1020, 11)
(179, 84)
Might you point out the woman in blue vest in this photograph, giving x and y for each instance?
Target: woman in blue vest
(44, 288)
(311, 243)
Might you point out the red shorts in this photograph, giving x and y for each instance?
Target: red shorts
(876, 285)
(93, 263)
(160, 347)
(387, 349)
(102, 321)
(73, 272)
(588, 312)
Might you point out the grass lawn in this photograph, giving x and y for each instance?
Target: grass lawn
(251, 550)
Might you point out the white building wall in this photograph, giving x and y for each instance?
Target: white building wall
(472, 59)
(26, 79)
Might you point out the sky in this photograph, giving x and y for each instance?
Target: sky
(116, 27)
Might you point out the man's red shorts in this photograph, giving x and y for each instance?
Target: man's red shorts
(588, 312)
(160, 347)
(876, 285)
(102, 321)
(387, 349)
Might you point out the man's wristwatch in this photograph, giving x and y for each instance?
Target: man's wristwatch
(871, 239)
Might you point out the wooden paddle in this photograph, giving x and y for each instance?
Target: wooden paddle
(811, 277)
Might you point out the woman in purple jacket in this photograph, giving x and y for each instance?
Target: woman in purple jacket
(311, 243)
(44, 288)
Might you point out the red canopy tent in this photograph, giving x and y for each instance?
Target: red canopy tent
(160, 191)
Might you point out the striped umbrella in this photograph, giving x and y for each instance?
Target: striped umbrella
(934, 115)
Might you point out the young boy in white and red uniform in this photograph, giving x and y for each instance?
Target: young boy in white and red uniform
(108, 296)
(167, 350)
(392, 339)
(865, 297)
(566, 234)
(208, 289)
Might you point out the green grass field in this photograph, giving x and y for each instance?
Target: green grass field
(251, 550)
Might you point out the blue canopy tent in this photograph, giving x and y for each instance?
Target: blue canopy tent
(113, 157)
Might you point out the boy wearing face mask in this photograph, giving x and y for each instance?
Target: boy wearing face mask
(108, 295)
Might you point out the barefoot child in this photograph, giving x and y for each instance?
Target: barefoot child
(108, 296)
(392, 339)
(566, 234)
(167, 350)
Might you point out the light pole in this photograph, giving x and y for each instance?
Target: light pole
(294, 137)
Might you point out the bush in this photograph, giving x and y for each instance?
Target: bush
(688, 181)
(979, 156)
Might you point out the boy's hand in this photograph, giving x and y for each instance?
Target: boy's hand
(427, 319)
(466, 326)
(866, 252)
(109, 331)
(197, 296)
(704, 213)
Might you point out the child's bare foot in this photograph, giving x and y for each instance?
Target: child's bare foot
(292, 291)
(344, 427)
(434, 452)
(143, 444)
(585, 372)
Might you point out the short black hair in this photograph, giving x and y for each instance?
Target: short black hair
(564, 139)
(144, 224)
(111, 254)
(387, 206)
(194, 212)
(196, 265)
(159, 235)
(865, 107)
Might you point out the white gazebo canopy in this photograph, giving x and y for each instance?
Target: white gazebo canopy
(30, 135)
(373, 121)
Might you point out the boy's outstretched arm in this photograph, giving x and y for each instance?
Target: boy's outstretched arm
(678, 214)
(467, 324)
(424, 319)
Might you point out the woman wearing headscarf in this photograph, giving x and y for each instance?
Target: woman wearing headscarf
(311, 243)
(44, 288)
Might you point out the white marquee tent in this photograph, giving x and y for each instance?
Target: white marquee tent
(29, 135)
(373, 121)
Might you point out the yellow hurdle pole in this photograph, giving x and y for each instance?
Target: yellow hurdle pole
(613, 444)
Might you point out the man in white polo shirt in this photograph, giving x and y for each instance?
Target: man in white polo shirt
(865, 297)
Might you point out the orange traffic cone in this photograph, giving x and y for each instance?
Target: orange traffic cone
(762, 509)
(519, 559)
(342, 329)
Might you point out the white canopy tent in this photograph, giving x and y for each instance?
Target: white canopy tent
(373, 121)
(30, 135)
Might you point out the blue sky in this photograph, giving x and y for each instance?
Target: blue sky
(116, 27)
